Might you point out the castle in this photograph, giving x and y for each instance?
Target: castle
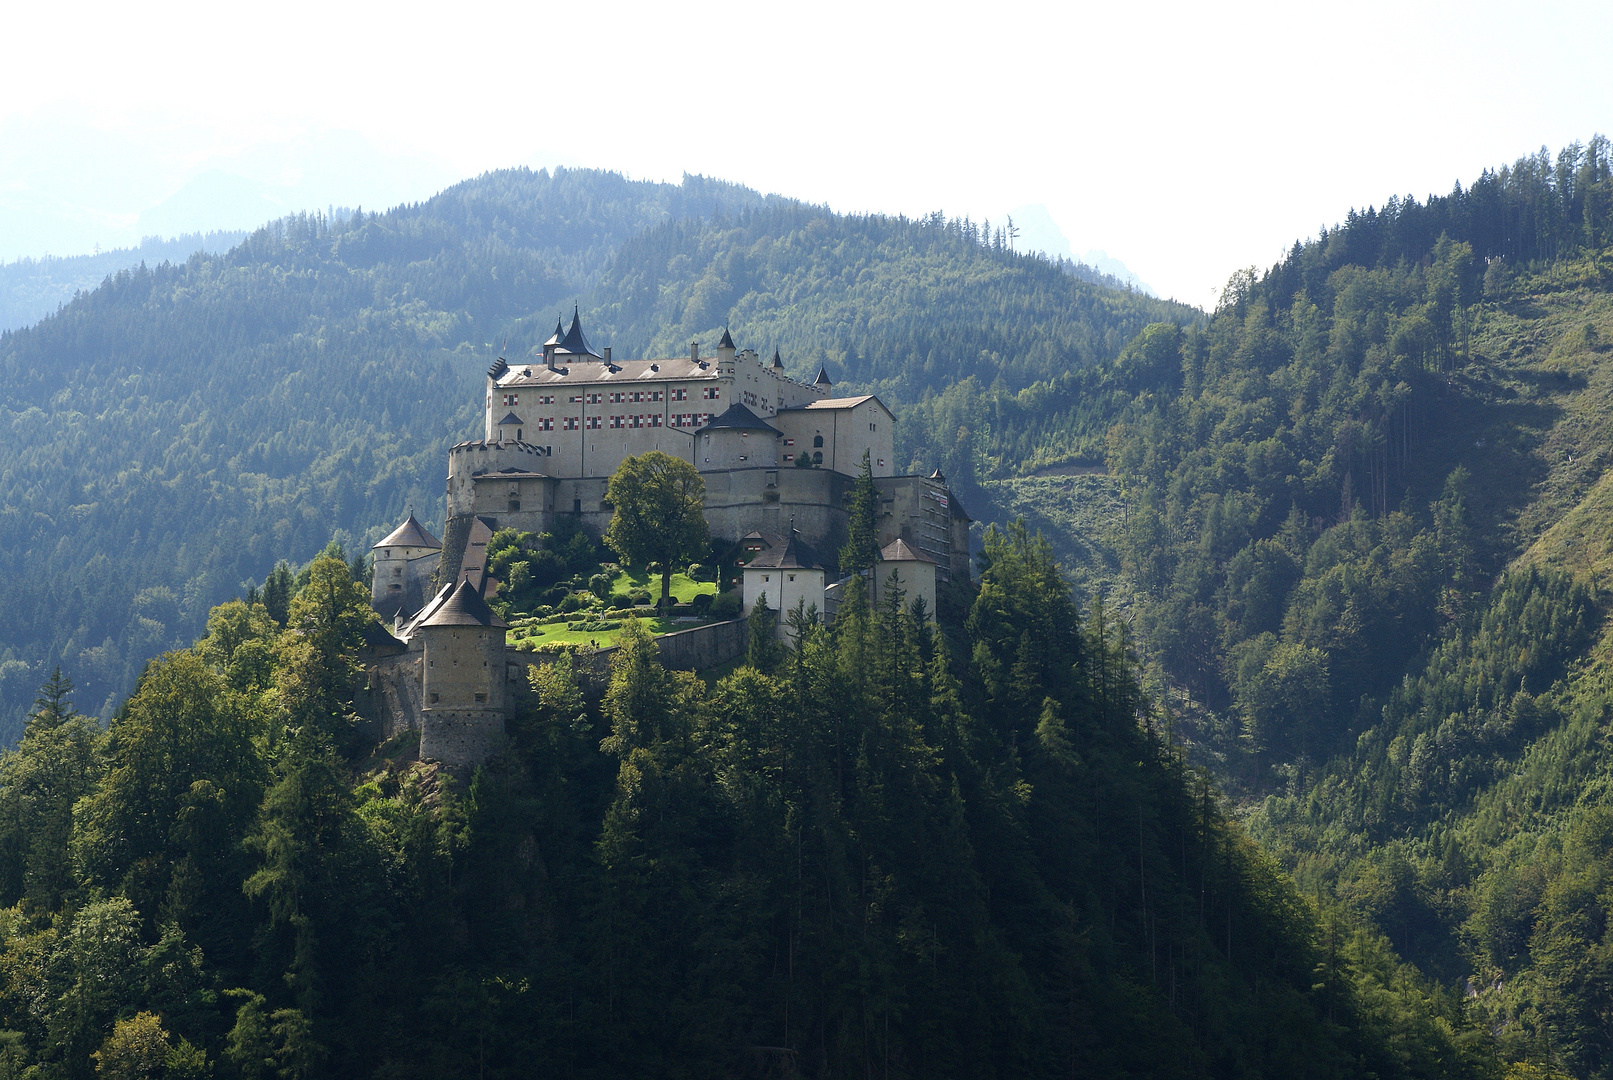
(778, 458)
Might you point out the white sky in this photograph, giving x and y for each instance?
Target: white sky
(1186, 139)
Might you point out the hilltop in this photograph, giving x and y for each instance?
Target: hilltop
(172, 433)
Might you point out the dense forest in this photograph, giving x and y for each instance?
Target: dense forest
(1359, 523)
(1367, 536)
(30, 289)
(170, 435)
(884, 848)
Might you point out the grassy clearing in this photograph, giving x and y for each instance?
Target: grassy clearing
(557, 633)
(684, 588)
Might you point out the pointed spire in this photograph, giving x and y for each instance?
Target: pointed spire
(559, 334)
(726, 341)
(575, 341)
(776, 361)
(823, 379)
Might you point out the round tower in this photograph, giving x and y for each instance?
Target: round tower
(738, 439)
(462, 680)
(404, 562)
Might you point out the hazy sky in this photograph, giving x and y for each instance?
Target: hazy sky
(1185, 139)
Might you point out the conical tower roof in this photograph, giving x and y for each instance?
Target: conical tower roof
(410, 534)
(899, 551)
(726, 341)
(559, 334)
(738, 415)
(465, 607)
(575, 341)
(776, 361)
(823, 377)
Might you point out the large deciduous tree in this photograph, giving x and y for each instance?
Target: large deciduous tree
(660, 513)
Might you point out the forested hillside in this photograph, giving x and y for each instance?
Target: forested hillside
(885, 850)
(1367, 533)
(170, 434)
(30, 289)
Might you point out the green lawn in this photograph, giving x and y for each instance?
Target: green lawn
(557, 632)
(684, 588)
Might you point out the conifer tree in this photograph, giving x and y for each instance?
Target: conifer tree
(861, 550)
(764, 650)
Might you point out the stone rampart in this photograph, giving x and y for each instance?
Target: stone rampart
(460, 739)
(391, 697)
(703, 647)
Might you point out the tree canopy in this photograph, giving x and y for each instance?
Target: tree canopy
(658, 514)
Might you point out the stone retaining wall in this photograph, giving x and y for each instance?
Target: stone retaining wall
(390, 696)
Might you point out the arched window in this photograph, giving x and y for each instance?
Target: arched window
(817, 457)
(817, 440)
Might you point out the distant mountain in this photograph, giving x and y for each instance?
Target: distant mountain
(30, 289)
(1036, 231)
(168, 436)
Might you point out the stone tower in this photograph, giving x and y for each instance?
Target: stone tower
(404, 563)
(462, 680)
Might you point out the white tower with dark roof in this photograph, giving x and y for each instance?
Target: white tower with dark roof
(404, 562)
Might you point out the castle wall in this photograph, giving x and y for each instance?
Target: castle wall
(401, 574)
(735, 448)
(587, 419)
(914, 580)
(467, 460)
(739, 501)
(845, 434)
(921, 511)
(463, 667)
(461, 739)
(389, 700)
(703, 647)
(513, 493)
(784, 587)
(392, 697)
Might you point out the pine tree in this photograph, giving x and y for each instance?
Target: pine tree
(765, 650)
(861, 550)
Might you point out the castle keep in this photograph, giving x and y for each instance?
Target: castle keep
(778, 458)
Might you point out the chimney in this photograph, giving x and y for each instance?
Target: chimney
(607, 355)
(694, 351)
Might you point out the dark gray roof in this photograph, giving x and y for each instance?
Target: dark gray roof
(780, 553)
(776, 361)
(500, 366)
(738, 416)
(575, 342)
(726, 341)
(511, 419)
(410, 534)
(936, 475)
(559, 334)
(465, 607)
(899, 551)
(823, 377)
(378, 639)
